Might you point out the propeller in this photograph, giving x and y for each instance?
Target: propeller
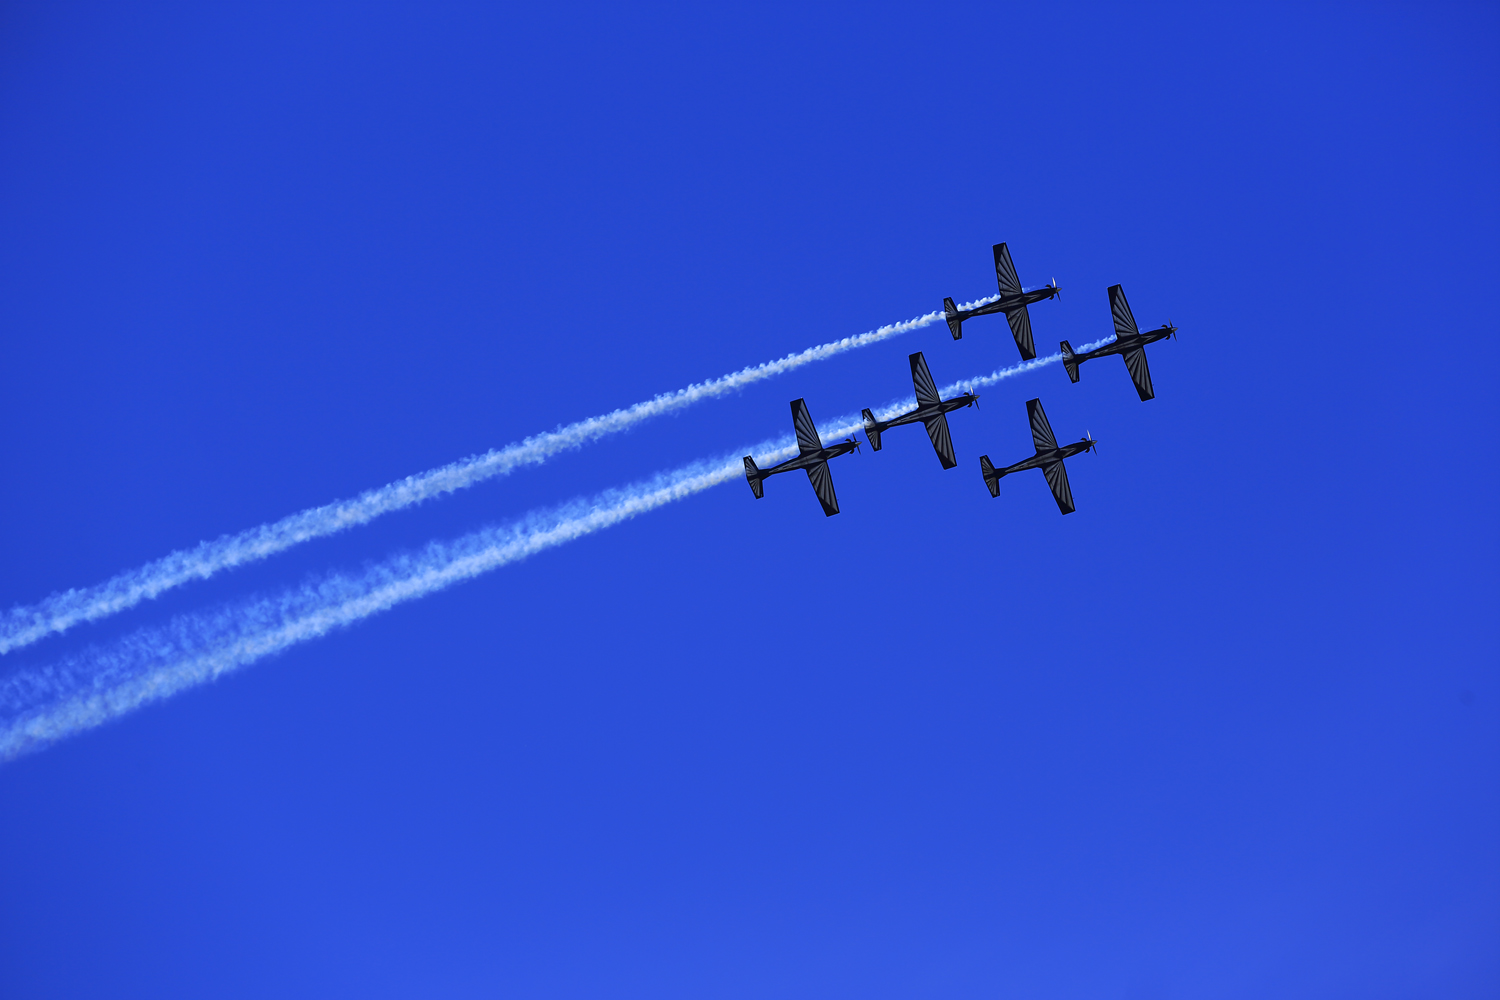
(975, 397)
(1171, 331)
(854, 441)
(1093, 445)
(1056, 292)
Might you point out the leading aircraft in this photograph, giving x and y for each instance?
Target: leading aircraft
(1049, 458)
(1130, 343)
(811, 455)
(1013, 302)
(931, 412)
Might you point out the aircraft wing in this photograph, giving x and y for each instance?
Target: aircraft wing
(1140, 372)
(807, 433)
(1124, 319)
(1020, 328)
(942, 441)
(1005, 272)
(822, 484)
(921, 379)
(1057, 482)
(1041, 431)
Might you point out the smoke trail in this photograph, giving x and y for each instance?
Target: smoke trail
(42, 706)
(46, 705)
(24, 625)
(848, 425)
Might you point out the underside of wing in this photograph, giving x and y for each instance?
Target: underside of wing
(1005, 272)
(1120, 309)
(1057, 482)
(1041, 430)
(942, 442)
(921, 380)
(1020, 328)
(807, 433)
(822, 484)
(1140, 372)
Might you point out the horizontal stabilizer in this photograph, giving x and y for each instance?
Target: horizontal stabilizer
(822, 484)
(1140, 373)
(955, 325)
(991, 477)
(1020, 328)
(872, 429)
(1070, 361)
(1057, 482)
(753, 477)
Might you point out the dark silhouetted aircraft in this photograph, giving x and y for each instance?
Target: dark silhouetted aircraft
(811, 456)
(930, 411)
(1130, 343)
(1049, 458)
(1013, 302)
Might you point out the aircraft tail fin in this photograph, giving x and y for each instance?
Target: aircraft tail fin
(955, 325)
(872, 429)
(1070, 361)
(991, 475)
(754, 477)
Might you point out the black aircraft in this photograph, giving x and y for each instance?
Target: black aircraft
(812, 456)
(1130, 343)
(1049, 458)
(1013, 302)
(930, 411)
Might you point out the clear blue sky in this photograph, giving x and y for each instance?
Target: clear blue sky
(1230, 730)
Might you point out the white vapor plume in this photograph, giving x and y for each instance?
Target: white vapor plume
(845, 426)
(41, 706)
(23, 625)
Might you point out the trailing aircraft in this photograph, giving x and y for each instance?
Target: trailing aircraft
(811, 455)
(1049, 458)
(930, 412)
(1130, 343)
(1013, 302)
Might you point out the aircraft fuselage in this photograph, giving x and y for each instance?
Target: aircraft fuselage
(1122, 344)
(810, 459)
(1007, 304)
(1045, 458)
(921, 413)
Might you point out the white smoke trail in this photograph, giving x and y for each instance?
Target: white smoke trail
(24, 625)
(845, 426)
(42, 706)
(52, 703)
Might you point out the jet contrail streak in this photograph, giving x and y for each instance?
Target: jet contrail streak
(41, 706)
(24, 625)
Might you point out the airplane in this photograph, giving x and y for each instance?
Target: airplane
(931, 411)
(1049, 458)
(811, 456)
(1013, 302)
(1129, 342)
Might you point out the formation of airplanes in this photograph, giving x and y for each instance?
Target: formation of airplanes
(932, 410)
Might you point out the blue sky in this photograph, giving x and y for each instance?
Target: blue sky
(1233, 728)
